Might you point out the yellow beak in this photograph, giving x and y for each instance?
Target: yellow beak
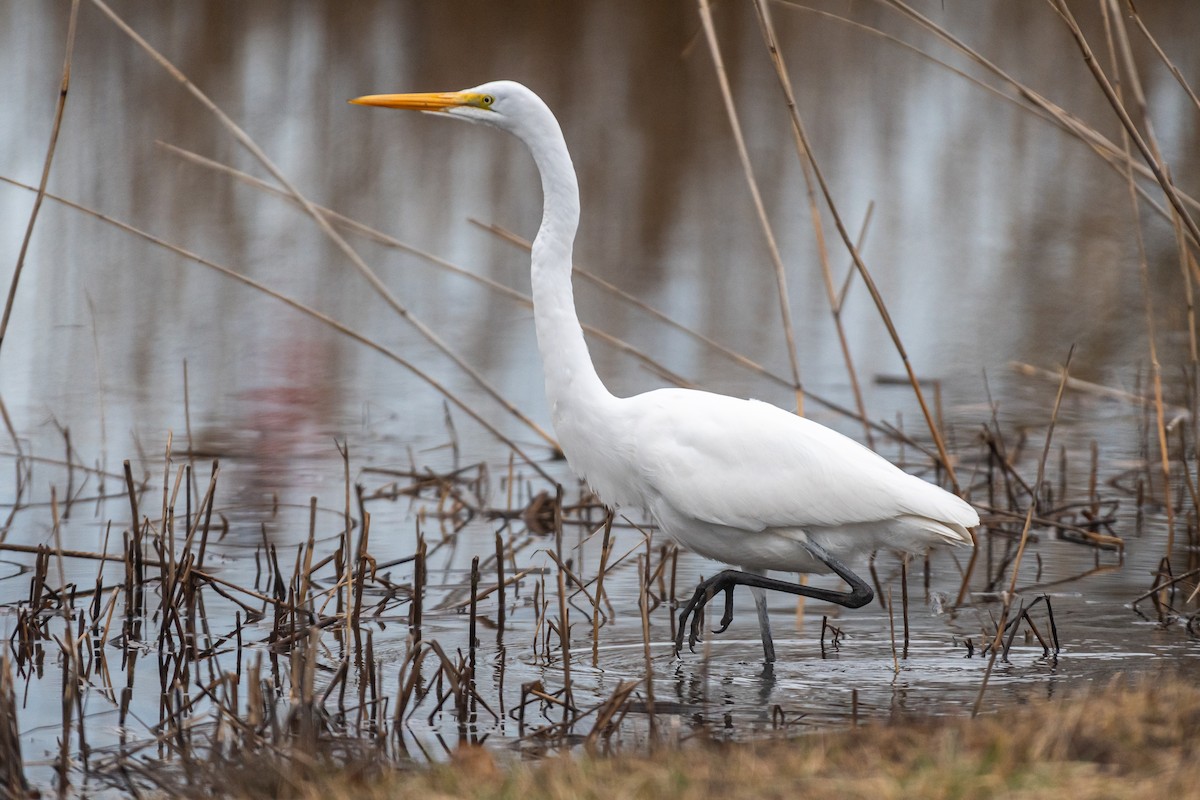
(430, 101)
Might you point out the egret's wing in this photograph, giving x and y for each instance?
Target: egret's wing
(751, 465)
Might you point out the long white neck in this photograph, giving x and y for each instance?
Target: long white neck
(572, 386)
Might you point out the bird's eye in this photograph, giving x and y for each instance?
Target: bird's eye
(487, 100)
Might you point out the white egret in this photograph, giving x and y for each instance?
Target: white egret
(738, 481)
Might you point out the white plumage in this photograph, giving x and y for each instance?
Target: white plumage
(738, 481)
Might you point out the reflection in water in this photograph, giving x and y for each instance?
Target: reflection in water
(279, 426)
(994, 238)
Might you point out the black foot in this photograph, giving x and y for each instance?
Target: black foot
(721, 582)
(859, 595)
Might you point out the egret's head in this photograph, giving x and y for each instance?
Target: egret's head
(499, 103)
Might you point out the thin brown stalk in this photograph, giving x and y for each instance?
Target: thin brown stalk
(501, 604)
(60, 106)
(768, 31)
(571, 576)
(34, 549)
(904, 602)
(347, 558)
(1156, 166)
(100, 393)
(206, 503)
(605, 551)
(891, 609)
(859, 243)
(1016, 563)
(564, 630)
(607, 710)
(1114, 22)
(473, 620)
(361, 560)
(511, 580)
(785, 311)
(72, 666)
(1041, 472)
(12, 432)
(13, 782)
(304, 599)
(943, 455)
(644, 609)
(1143, 262)
(1096, 389)
(1174, 70)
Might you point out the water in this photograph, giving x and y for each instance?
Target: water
(993, 238)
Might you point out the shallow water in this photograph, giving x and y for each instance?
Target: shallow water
(993, 238)
(722, 689)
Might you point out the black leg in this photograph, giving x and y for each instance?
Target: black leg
(859, 595)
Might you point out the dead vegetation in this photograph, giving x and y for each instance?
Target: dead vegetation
(1127, 739)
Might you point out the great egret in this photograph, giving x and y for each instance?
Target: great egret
(737, 481)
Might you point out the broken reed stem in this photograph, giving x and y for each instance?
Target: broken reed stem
(644, 609)
(605, 550)
(349, 564)
(133, 502)
(501, 609)
(12, 765)
(361, 561)
(304, 600)
(207, 507)
(904, 600)
(1016, 564)
(471, 638)
(891, 609)
(187, 409)
(62, 572)
(168, 517)
(60, 106)
(511, 580)
(71, 665)
(418, 587)
(30, 548)
(66, 433)
(760, 210)
(1012, 634)
(62, 766)
(564, 630)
